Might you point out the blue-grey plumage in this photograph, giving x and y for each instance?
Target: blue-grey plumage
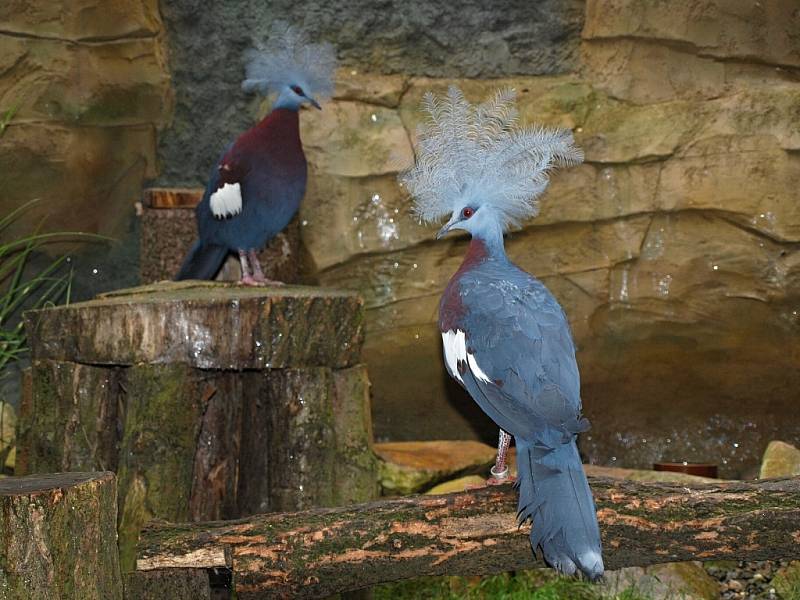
(505, 338)
(256, 186)
(518, 363)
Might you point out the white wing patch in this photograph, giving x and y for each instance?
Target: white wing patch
(455, 351)
(476, 370)
(226, 201)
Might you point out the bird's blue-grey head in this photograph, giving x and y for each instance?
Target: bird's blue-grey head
(476, 166)
(288, 65)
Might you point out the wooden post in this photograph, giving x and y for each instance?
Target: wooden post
(58, 537)
(211, 401)
(168, 230)
(320, 552)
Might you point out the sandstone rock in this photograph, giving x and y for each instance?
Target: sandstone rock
(749, 177)
(370, 88)
(354, 139)
(74, 171)
(87, 84)
(742, 30)
(780, 460)
(457, 485)
(91, 86)
(646, 72)
(369, 215)
(688, 581)
(408, 467)
(82, 20)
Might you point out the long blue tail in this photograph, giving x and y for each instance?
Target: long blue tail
(203, 262)
(554, 494)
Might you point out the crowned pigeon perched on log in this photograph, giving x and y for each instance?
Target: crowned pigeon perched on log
(256, 186)
(506, 339)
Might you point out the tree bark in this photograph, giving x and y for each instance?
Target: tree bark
(210, 401)
(204, 325)
(168, 228)
(321, 552)
(58, 537)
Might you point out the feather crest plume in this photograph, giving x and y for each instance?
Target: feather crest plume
(289, 58)
(477, 153)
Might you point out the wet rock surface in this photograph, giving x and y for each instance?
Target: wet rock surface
(408, 467)
(780, 460)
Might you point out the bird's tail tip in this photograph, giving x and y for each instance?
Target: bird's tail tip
(588, 562)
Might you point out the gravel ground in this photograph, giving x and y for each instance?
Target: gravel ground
(746, 580)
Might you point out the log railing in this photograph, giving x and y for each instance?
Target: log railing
(320, 552)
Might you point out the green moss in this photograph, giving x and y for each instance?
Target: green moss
(787, 582)
(157, 450)
(523, 585)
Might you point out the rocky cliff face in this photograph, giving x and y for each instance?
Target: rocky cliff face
(674, 248)
(90, 82)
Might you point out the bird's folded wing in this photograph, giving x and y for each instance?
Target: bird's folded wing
(226, 200)
(521, 356)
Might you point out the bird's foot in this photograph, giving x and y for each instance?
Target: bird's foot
(500, 481)
(264, 281)
(500, 476)
(496, 478)
(251, 281)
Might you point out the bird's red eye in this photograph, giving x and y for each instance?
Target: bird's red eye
(467, 212)
(296, 89)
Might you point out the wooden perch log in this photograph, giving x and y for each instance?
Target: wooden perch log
(58, 537)
(320, 552)
(210, 401)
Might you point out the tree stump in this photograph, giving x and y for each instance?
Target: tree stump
(58, 537)
(168, 230)
(210, 401)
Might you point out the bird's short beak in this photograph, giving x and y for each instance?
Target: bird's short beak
(314, 103)
(448, 226)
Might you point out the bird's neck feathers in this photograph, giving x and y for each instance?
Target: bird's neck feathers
(281, 124)
(489, 235)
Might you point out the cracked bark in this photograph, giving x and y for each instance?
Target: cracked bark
(58, 537)
(320, 552)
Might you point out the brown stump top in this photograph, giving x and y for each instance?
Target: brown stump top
(45, 483)
(206, 325)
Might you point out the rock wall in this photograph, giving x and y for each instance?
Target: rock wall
(674, 248)
(91, 88)
(90, 82)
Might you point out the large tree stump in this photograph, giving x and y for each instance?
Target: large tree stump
(210, 401)
(168, 229)
(320, 552)
(58, 537)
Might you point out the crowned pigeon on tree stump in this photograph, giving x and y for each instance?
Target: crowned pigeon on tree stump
(256, 186)
(506, 339)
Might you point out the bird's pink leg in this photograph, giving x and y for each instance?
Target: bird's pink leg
(246, 278)
(500, 472)
(258, 274)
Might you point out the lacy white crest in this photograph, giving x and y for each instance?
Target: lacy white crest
(476, 153)
(289, 58)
